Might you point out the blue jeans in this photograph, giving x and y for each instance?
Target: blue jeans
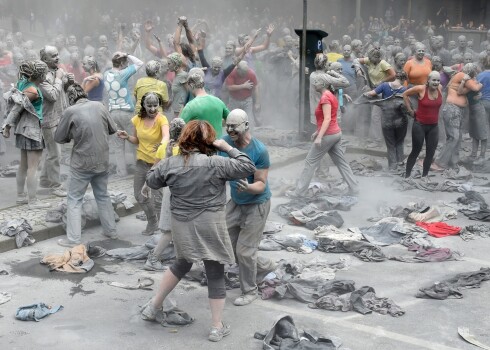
(78, 184)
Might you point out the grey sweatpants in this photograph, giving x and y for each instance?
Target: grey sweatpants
(453, 120)
(246, 225)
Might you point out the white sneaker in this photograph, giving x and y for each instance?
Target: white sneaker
(59, 192)
(37, 204)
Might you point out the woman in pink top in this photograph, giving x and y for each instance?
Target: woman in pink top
(327, 139)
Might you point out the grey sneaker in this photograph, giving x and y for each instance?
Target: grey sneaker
(58, 192)
(148, 312)
(22, 198)
(67, 243)
(153, 264)
(37, 204)
(245, 299)
(216, 334)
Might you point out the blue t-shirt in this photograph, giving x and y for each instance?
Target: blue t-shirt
(387, 91)
(257, 152)
(348, 71)
(116, 85)
(484, 79)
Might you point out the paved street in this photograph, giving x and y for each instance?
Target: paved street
(101, 316)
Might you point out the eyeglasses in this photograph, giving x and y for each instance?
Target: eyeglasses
(234, 126)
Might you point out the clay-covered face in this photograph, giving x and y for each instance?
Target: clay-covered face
(462, 42)
(103, 41)
(216, 67)
(72, 40)
(436, 65)
(229, 49)
(236, 126)
(434, 80)
(151, 105)
(400, 61)
(86, 65)
(397, 42)
(468, 58)
(10, 42)
(451, 45)
(347, 51)
(420, 52)
(52, 57)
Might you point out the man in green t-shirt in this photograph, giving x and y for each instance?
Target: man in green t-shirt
(203, 106)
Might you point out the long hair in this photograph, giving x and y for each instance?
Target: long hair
(142, 113)
(197, 135)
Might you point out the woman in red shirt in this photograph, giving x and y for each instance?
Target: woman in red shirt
(426, 121)
(326, 139)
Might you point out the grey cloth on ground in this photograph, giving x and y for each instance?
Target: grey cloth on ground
(332, 232)
(19, 228)
(5, 297)
(452, 286)
(459, 173)
(9, 170)
(365, 166)
(284, 336)
(381, 234)
(444, 186)
(272, 227)
(141, 252)
(473, 231)
(428, 255)
(143, 283)
(362, 300)
(363, 250)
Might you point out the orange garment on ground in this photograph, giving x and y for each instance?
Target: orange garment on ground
(417, 73)
(74, 260)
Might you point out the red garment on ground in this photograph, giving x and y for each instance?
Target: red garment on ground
(439, 229)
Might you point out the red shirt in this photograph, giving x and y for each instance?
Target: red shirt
(235, 79)
(5, 60)
(428, 110)
(330, 99)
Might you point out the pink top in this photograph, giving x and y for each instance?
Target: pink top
(333, 127)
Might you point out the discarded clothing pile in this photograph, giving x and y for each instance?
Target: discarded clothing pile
(332, 232)
(439, 229)
(19, 228)
(285, 336)
(451, 287)
(476, 208)
(141, 252)
(74, 260)
(362, 300)
(304, 281)
(35, 312)
(272, 227)
(424, 254)
(293, 243)
(144, 283)
(9, 170)
(118, 197)
(5, 297)
(299, 212)
(413, 212)
(280, 186)
(445, 186)
(461, 173)
(363, 250)
(170, 315)
(56, 215)
(473, 231)
(365, 167)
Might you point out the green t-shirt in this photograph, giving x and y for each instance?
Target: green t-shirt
(208, 108)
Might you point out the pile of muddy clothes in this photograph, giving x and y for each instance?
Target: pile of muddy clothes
(20, 229)
(314, 283)
(140, 252)
(74, 260)
(315, 211)
(285, 336)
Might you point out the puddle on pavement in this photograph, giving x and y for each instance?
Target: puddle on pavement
(33, 267)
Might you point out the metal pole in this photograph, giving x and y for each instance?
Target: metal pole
(358, 18)
(302, 78)
(409, 9)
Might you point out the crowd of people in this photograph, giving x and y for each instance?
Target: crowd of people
(198, 78)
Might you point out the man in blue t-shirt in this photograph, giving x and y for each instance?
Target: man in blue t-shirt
(247, 211)
(121, 106)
